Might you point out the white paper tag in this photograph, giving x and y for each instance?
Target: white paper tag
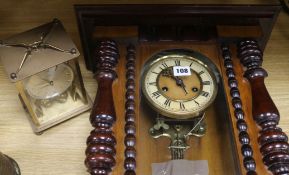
(182, 71)
(181, 167)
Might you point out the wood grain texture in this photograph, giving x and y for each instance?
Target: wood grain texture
(61, 148)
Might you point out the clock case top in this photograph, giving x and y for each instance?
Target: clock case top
(45, 46)
(178, 22)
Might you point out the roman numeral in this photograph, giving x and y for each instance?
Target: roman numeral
(182, 106)
(200, 73)
(155, 72)
(156, 94)
(177, 62)
(206, 82)
(167, 102)
(165, 65)
(153, 83)
(197, 103)
(205, 94)
(191, 64)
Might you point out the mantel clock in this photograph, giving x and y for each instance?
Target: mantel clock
(42, 63)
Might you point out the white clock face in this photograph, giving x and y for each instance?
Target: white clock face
(179, 86)
(50, 83)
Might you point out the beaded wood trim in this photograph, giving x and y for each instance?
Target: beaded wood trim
(244, 138)
(130, 127)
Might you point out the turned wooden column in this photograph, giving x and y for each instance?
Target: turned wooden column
(100, 150)
(272, 141)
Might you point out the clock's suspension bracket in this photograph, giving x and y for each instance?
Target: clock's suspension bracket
(178, 133)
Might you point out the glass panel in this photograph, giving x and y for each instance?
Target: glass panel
(54, 95)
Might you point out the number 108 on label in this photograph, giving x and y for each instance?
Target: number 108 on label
(182, 71)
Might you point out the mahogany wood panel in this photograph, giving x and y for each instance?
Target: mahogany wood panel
(239, 31)
(216, 146)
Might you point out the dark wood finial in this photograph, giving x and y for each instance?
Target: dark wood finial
(272, 141)
(100, 150)
(130, 127)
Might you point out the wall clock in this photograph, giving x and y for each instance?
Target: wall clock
(218, 45)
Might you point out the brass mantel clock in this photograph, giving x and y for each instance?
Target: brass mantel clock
(42, 63)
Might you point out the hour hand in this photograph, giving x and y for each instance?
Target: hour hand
(180, 82)
(184, 87)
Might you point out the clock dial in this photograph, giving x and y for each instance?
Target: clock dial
(50, 83)
(178, 95)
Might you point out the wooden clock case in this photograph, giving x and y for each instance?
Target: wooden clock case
(150, 29)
